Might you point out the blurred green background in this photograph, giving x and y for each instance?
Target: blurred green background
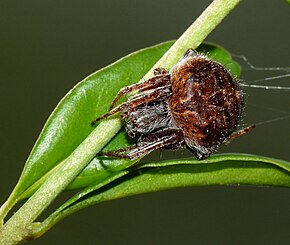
(46, 47)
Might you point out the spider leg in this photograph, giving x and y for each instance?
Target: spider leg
(159, 80)
(241, 132)
(140, 99)
(157, 140)
(127, 148)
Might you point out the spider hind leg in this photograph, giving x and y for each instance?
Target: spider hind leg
(241, 132)
(147, 144)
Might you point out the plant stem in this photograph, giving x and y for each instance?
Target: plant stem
(19, 227)
(196, 33)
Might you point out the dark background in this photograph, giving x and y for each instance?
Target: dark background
(46, 47)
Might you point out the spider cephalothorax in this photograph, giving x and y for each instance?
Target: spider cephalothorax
(197, 104)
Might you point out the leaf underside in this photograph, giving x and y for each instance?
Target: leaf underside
(224, 169)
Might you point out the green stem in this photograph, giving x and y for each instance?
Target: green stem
(5, 208)
(196, 33)
(20, 226)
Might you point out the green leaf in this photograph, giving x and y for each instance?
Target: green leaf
(224, 169)
(69, 124)
(216, 170)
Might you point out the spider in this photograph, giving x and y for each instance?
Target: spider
(197, 104)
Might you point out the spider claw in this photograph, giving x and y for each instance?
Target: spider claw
(93, 123)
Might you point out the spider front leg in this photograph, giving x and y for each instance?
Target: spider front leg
(155, 95)
(160, 79)
(151, 142)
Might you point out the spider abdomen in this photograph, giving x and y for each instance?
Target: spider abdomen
(206, 102)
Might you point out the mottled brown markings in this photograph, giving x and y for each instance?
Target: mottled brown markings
(198, 105)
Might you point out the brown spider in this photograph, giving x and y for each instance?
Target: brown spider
(198, 105)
